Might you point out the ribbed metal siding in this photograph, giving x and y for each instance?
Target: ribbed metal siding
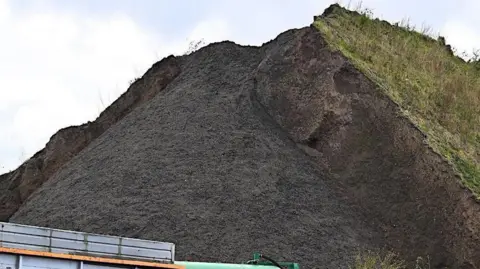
(71, 242)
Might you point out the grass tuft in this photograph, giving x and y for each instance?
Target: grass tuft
(437, 90)
(373, 260)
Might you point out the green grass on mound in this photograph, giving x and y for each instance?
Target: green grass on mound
(438, 91)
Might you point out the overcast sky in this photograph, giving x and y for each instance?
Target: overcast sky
(62, 62)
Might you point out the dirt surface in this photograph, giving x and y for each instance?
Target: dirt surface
(283, 148)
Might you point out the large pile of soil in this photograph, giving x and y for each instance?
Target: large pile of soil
(284, 149)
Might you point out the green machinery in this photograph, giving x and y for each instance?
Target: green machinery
(259, 262)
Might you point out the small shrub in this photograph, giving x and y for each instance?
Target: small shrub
(194, 46)
(372, 260)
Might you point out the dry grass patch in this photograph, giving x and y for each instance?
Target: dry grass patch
(373, 260)
(438, 91)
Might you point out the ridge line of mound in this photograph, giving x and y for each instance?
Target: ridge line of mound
(17, 185)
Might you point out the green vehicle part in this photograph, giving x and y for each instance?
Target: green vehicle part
(259, 262)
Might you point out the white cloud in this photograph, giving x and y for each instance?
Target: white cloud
(4, 10)
(56, 68)
(211, 30)
(462, 36)
(205, 32)
(461, 28)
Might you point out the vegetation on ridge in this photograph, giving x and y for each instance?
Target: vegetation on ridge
(438, 91)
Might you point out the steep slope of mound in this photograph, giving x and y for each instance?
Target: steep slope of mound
(16, 186)
(287, 149)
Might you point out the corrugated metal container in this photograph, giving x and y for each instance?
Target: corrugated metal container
(78, 243)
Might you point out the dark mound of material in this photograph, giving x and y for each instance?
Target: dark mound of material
(283, 148)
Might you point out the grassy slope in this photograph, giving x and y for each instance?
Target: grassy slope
(439, 92)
